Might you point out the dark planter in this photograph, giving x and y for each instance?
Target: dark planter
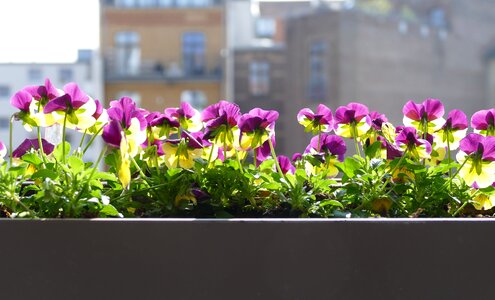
(247, 259)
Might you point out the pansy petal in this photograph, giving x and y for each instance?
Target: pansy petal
(434, 109)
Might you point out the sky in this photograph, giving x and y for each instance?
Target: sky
(47, 30)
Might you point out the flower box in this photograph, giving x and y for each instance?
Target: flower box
(247, 259)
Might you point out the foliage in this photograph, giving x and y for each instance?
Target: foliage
(221, 163)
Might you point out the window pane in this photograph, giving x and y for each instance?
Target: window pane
(165, 3)
(265, 28)
(4, 91)
(4, 123)
(317, 77)
(193, 52)
(34, 74)
(259, 78)
(128, 53)
(66, 75)
(125, 3)
(196, 98)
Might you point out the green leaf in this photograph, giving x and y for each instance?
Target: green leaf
(301, 175)
(58, 152)
(332, 203)
(32, 158)
(104, 176)
(349, 166)
(372, 150)
(45, 173)
(109, 210)
(76, 164)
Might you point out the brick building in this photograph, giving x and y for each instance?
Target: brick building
(383, 53)
(161, 52)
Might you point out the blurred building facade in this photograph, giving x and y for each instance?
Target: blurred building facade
(160, 52)
(86, 72)
(378, 52)
(384, 53)
(257, 57)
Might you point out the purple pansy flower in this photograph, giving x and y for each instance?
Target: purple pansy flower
(125, 119)
(221, 119)
(426, 116)
(29, 144)
(377, 119)
(297, 157)
(182, 152)
(31, 101)
(477, 157)
(352, 120)
(407, 140)
(391, 150)
(22, 100)
(162, 125)
(329, 144)
(188, 117)
(256, 127)
(321, 121)
(332, 150)
(453, 130)
(43, 93)
(285, 164)
(483, 122)
(75, 105)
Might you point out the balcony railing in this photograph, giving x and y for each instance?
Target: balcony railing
(154, 71)
(144, 4)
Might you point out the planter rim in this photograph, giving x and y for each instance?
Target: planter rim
(259, 220)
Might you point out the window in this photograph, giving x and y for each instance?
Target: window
(265, 28)
(146, 3)
(4, 91)
(317, 76)
(193, 53)
(438, 18)
(65, 75)
(4, 123)
(259, 78)
(34, 74)
(125, 3)
(165, 3)
(491, 78)
(192, 3)
(128, 53)
(197, 99)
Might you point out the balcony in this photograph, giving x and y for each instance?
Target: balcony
(165, 4)
(155, 71)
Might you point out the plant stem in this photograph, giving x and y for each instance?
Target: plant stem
(140, 170)
(449, 160)
(63, 138)
(40, 146)
(11, 129)
(460, 209)
(103, 151)
(82, 138)
(393, 170)
(279, 169)
(319, 138)
(354, 134)
(211, 154)
(455, 174)
(239, 161)
(92, 139)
